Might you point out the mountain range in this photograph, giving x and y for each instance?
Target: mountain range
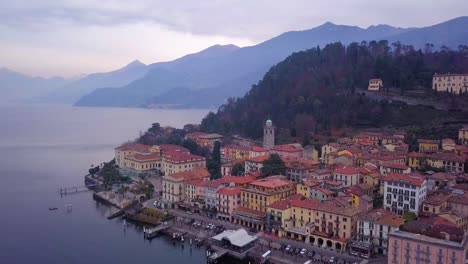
(209, 77)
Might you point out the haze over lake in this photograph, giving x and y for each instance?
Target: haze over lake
(45, 147)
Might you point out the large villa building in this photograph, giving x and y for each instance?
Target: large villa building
(451, 83)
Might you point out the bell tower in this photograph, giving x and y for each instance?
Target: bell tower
(268, 135)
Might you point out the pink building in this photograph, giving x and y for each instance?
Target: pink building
(228, 199)
(429, 244)
(289, 150)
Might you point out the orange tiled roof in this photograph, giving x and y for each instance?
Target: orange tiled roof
(271, 182)
(134, 147)
(323, 190)
(416, 155)
(287, 148)
(347, 170)
(428, 141)
(229, 191)
(259, 159)
(258, 149)
(144, 157)
(413, 179)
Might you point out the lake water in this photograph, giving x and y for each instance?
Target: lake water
(43, 148)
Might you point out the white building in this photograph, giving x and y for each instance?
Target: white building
(404, 192)
(347, 175)
(375, 226)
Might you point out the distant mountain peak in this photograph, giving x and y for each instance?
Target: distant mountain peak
(328, 24)
(135, 63)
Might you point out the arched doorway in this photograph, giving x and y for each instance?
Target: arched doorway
(338, 246)
(312, 240)
(329, 244)
(320, 242)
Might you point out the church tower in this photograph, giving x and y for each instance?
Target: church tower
(268, 135)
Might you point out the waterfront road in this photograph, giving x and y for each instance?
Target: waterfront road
(322, 254)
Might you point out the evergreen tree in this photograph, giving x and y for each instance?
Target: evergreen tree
(238, 169)
(214, 163)
(274, 165)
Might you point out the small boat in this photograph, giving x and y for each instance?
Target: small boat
(53, 208)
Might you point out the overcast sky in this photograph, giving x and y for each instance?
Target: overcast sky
(73, 37)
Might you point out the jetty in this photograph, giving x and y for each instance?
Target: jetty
(150, 233)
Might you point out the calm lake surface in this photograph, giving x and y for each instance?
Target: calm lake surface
(43, 148)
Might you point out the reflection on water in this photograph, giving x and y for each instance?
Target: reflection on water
(44, 148)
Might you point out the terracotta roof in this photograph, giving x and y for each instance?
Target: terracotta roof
(442, 176)
(287, 148)
(464, 129)
(229, 191)
(391, 220)
(258, 149)
(323, 190)
(249, 211)
(347, 170)
(144, 157)
(182, 157)
(172, 148)
(134, 147)
(285, 203)
(333, 183)
(326, 206)
(416, 155)
(309, 183)
(437, 199)
(271, 182)
(396, 166)
(190, 175)
(259, 159)
(238, 180)
(459, 199)
(237, 147)
(446, 157)
(412, 179)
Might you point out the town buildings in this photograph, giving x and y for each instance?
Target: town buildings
(174, 186)
(347, 175)
(228, 199)
(428, 145)
(404, 193)
(419, 242)
(375, 85)
(463, 136)
(374, 228)
(451, 83)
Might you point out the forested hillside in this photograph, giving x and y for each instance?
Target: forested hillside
(318, 90)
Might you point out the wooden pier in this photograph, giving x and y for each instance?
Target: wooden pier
(75, 189)
(150, 233)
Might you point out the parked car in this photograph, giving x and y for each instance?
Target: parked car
(303, 252)
(297, 251)
(331, 260)
(189, 212)
(287, 248)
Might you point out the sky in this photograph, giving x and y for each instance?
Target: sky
(70, 38)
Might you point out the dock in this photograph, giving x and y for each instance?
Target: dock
(213, 257)
(150, 233)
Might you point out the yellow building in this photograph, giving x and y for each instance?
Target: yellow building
(428, 145)
(261, 193)
(236, 152)
(305, 188)
(463, 136)
(375, 85)
(451, 162)
(416, 160)
(175, 162)
(174, 186)
(451, 83)
(257, 196)
(324, 224)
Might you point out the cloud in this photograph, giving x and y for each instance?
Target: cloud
(88, 35)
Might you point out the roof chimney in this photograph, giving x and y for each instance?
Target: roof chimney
(447, 236)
